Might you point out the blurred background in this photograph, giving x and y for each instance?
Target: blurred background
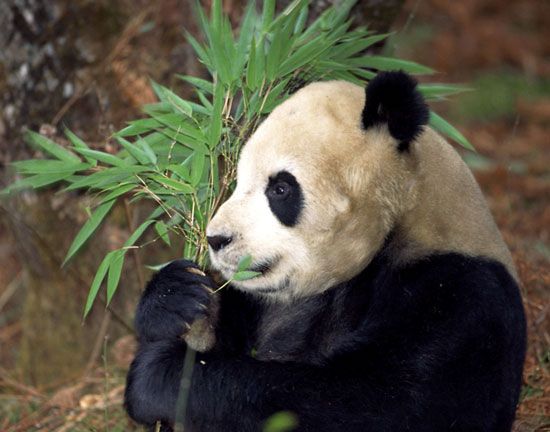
(86, 64)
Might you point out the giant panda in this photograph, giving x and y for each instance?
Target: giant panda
(386, 301)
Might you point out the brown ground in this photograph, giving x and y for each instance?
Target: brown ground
(501, 49)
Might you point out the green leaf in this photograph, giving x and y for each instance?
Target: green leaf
(168, 96)
(98, 278)
(275, 53)
(118, 191)
(304, 55)
(302, 18)
(138, 154)
(251, 66)
(244, 263)
(246, 34)
(445, 128)
(197, 168)
(35, 182)
(181, 170)
(115, 269)
(78, 143)
(50, 147)
(245, 275)
(149, 153)
(48, 166)
(162, 231)
(186, 140)
(173, 184)
(215, 129)
(89, 227)
(203, 54)
(348, 49)
(388, 63)
(268, 12)
(137, 127)
(180, 125)
(440, 90)
(282, 421)
(114, 175)
(138, 233)
(199, 83)
(106, 158)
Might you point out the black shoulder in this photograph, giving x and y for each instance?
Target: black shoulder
(392, 98)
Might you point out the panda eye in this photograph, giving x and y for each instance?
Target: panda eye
(285, 197)
(279, 190)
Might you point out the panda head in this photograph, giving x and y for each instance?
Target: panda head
(321, 184)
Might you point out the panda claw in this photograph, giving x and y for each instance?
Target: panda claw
(195, 270)
(207, 288)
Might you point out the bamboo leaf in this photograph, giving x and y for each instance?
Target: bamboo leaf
(78, 143)
(245, 275)
(215, 129)
(114, 175)
(203, 54)
(162, 231)
(89, 227)
(138, 154)
(115, 269)
(197, 168)
(181, 171)
(441, 90)
(268, 12)
(98, 278)
(251, 66)
(50, 147)
(246, 34)
(199, 83)
(106, 158)
(138, 127)
(445, 128)
(388, 63)
(35, 182)
(147, 150)
(118, 191)
(244, 263)
(48, 166)
(173, 184)
(348, 49)
(138, 233)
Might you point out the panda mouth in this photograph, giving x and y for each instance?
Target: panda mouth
(265, 266)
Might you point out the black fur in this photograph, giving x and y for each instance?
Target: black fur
(436, 345)
(393, 99)
(285, 197)
(174, 297)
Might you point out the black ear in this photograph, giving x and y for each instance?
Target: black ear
(393, 99)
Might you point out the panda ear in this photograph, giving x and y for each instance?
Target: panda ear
(393, 99)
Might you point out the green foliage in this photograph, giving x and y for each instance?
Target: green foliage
(282, 421)
(496, 96)
(183, 154)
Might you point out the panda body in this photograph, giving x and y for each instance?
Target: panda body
(387, 300)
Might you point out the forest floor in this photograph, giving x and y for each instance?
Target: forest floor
(499, 49)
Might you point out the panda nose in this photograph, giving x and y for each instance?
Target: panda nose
(218, 242)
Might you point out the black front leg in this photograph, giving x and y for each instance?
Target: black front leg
(238, 393)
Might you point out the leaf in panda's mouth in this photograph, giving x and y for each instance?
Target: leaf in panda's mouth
(245, 275)
(247, 271)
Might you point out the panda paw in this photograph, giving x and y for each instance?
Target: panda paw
(176, 297)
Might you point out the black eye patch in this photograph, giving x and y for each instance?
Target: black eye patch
(285, 197)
